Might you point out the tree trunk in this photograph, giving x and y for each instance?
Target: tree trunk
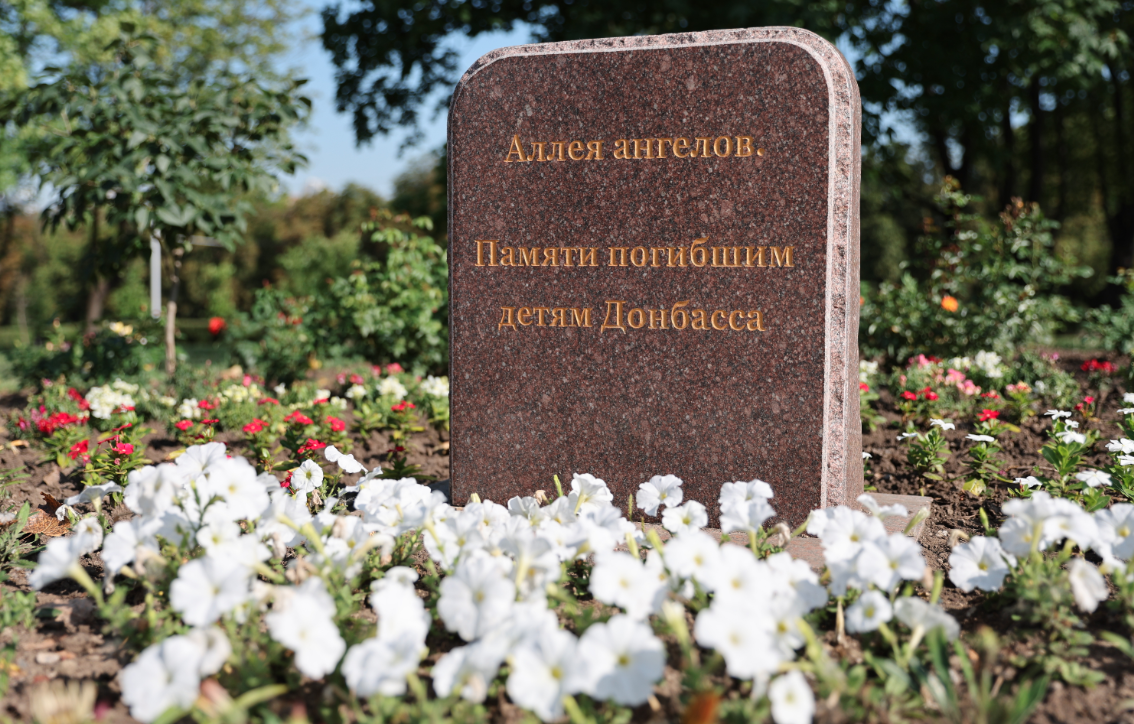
(1061, 156)
(1035, 138)
(101, 287)
(171, 314)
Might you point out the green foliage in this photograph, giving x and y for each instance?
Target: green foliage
(17, 609)
(313, 263)
(276, 337)
(131, 143)
(112, 351)
(975, 285)
(1114, 328)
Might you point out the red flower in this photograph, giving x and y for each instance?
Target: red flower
(907, 395)
(78, 397)
(210, 422)
(336, 424)
(79, 448)
(402, 406)
(206, 405)
(123, 448)
(321, 401)
(268, 401)
(341, 378)
(930, 395)
(310, 446)
(393, 368)
(1088, 400)
(286, 482)
(986, 415)
(356, 379)
(300, 418)
(184, 425)
(255, 426)
(216, 325)
(48, 425)
(863, 386)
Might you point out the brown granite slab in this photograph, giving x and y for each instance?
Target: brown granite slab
(538, 389)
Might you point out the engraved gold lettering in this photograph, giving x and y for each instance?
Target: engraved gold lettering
(617, 306)
(581, 317)
(720, 256)
(491, 252)
(755, 321)
(594, 150)
(537, 151)
(621, 148)
(507, 256)
(559, 317)
(781, 256)
(744, 145)
(713, 319)
(524, 313)
(682, 254)
(679, 145)
(621, 255)
(727, 147)
(551, 256)
(641, 318)
(539, 315)
(702, 145)
(575, 147)
(759, 256)
(517, 150)
(733, 325)
(655, 253)
(565, 255)
(638, 259)
(659, 316)
(676, 310)
(696, 247)
(588, 256)
(661, 146)
(700, 319)
(643, 144)
(506, 318)
(529, 258)
(556, 151)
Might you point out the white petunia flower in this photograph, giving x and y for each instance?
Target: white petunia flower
(588, 492)
(165, 676)
(791, 698)
(468, 670)
(1056, 414)
(980, 438)
(380, 666)
(798, 576)
(208, 587)
(660, 490)
(934, 422)
(696, 555)
(619, 579)
(1029, 482)
(307, 477)
(623, 659)
(400, 612)
(1116, 531)
(1093, 478)
(907, 435)
(689, 516)
(435, 386)
(1070, 436)
(1125, 446)
(60, 559)
(1128, 397)
(544, 670)
(866, 455)
(1087, 584)
(390, 387)
(303, 623)
(346, 462)
(477, 597)
(916, 613)
(743, 639)
(843, 531)
(981, 563)
(885, 562)
(871, 610)
(151, 490)
(91, 493)
(355, 392)
(1126, 410)
(745, 516)
(867, 501)
(90, 530)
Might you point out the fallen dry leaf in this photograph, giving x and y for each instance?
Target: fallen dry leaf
(46, 524)
(52, 502)
(17, 443)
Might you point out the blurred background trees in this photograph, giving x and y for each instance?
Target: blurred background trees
(1028, 99)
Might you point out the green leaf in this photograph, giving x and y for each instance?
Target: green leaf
(137, 138)
(162, 163)
(142, 217)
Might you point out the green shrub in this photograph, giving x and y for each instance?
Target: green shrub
(114, 350)
(1114, 328)
(974, 284)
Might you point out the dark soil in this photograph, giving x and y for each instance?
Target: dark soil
(67, 644)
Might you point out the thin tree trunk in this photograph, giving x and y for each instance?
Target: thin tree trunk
(171, 314)
(1061, 155)
(101, 287)
(1035, 138)
(22, 308)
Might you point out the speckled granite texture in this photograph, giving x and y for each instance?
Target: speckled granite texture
(709, 406)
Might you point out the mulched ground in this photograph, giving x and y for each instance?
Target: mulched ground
(69, 644)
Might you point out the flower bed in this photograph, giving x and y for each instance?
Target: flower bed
(302, 571)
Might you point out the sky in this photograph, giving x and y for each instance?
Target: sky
(328, 141)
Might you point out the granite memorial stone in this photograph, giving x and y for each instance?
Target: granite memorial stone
(654, 267)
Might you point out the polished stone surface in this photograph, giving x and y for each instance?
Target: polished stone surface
(551, 395)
